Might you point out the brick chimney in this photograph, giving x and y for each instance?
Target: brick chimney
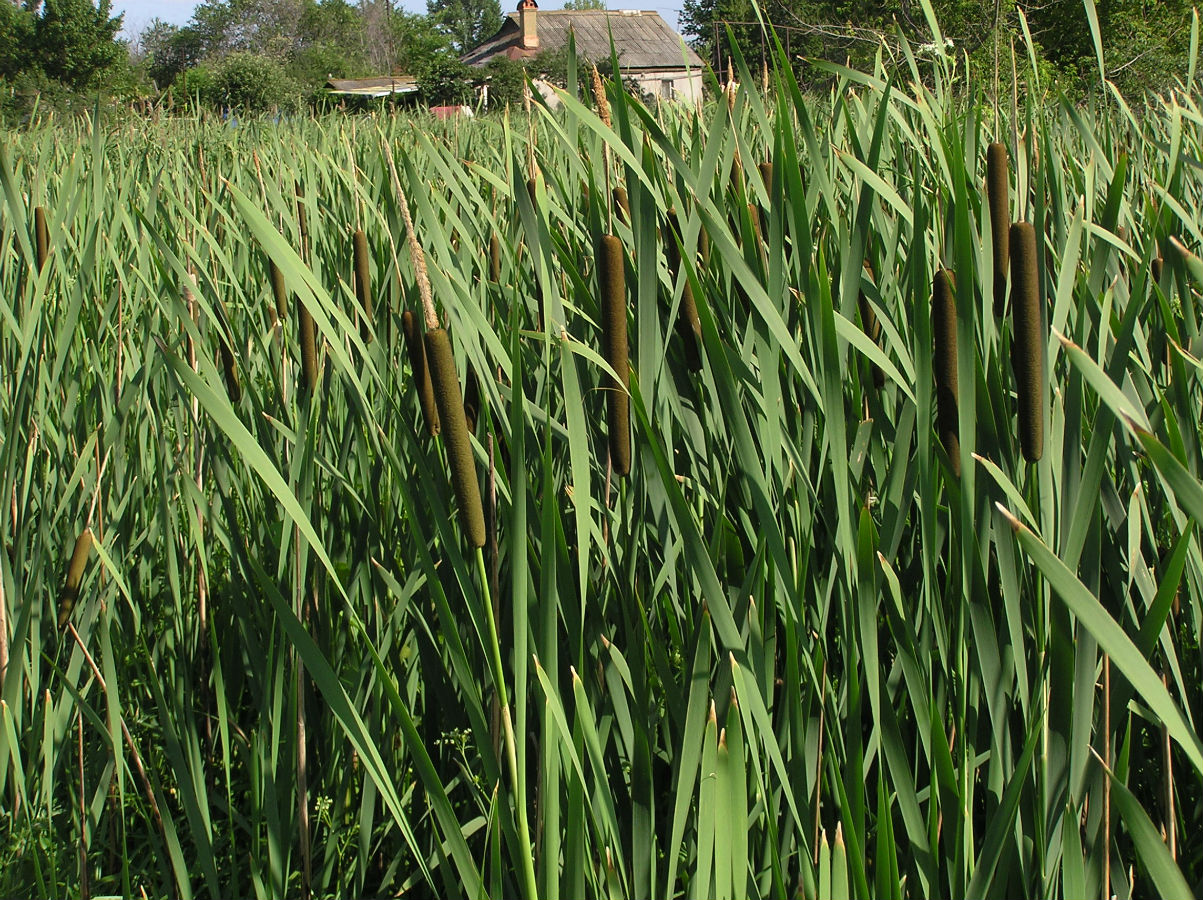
(526, 22)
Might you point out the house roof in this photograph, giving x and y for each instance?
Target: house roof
(377, 86)
(642, 39)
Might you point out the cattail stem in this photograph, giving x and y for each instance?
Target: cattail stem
(454, 423)
(944, 334)
(363, 284)
(1029, 341)
(999, 197)
(612, 280)
(511, 755)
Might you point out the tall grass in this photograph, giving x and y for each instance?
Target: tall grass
(791, 653)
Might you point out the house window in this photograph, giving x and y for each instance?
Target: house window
(666, 88)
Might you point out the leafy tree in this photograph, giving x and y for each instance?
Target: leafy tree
(75, 42)
(169, 50)
(415, 40)
(467, 22)
(444, 81)
(584, 4)
(252, 83)
(16, 31)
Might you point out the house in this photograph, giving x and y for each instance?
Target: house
(649, 51)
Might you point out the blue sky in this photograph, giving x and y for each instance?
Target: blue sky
(139, 13)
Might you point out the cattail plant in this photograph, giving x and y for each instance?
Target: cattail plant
(944, 336)
(41, 236)
(363, 283)
(444, 381)
(417, 365)
(1029, 341)
(1157, 265)
(998, 195)
(75, 576)
(689, 326)
(612, 281)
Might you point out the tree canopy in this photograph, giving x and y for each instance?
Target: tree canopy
(72, 42)
(467, 22)
(1145, 43)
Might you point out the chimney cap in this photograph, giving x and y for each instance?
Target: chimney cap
(528, 4)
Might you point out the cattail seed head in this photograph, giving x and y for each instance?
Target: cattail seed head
(279, 291)
(494, 258)
(944, 338)
(612, 280)
(363, 283)
(309, 371)
(41, 236)
(1157, 266)
(599, 96)
(75, 576)
(1028, 340)
(421, 372)
(766, 174)
(455, 432)
(622, 203)
(999, 197)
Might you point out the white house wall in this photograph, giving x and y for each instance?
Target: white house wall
(686, 85)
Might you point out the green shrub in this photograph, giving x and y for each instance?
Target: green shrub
(251, 83)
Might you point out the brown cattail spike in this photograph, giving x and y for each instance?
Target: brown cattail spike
(944, 338)
(622, 203)
(308, 347)
(417, 363)
(1157, 265)
(279, 291)
(494, 258)
(75, 576)
(41, 236)
(363, 283)
(998, 194)
(1028, 340)
(689, 326)
(612, 280)
(455, 431)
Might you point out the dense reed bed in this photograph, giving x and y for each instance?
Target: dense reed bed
(900, 597)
